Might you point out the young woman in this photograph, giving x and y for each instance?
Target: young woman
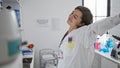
(76, 47)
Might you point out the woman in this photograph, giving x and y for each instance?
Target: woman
(76, 47)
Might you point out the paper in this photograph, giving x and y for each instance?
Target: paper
(55, 23)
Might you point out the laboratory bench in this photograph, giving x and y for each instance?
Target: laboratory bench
(108, 57)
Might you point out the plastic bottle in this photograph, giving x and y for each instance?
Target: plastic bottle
(97, 44)
(109, 42)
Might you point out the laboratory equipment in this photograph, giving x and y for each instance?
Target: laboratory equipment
(105, 43)
(9, 36)
(27, 62)
(48, 58)
(116, 50)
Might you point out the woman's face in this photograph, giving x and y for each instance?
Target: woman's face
(75, 19)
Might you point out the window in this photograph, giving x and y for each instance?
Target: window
(99, 8)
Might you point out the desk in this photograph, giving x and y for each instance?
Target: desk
(107, 56)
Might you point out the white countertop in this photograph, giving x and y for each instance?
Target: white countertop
(107, 56)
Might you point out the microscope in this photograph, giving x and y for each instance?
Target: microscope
(115, 53)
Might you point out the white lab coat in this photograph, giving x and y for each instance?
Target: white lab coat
(80, 54)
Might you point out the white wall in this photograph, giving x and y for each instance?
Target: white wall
(44, 35)
(115, 7)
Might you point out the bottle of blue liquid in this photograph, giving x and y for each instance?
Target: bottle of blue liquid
(109, 43)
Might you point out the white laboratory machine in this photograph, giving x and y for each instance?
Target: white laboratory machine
(9, 36)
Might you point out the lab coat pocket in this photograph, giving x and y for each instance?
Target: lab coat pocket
(69, 49)
(68, 53)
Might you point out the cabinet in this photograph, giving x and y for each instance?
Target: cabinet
(108, 57)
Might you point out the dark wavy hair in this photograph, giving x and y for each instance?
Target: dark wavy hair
(87, 17)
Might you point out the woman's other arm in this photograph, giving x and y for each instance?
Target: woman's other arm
(102, 26)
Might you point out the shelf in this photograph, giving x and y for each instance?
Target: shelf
(11, 1)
